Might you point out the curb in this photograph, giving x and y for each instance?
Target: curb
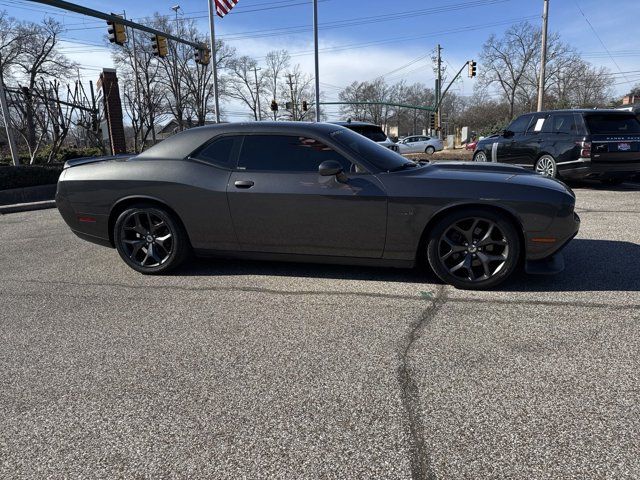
(27, 207)
(37, 193)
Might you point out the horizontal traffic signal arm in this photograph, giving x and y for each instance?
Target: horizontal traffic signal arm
(401, 105)
(72, 7)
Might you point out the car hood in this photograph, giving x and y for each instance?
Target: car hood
(489, 172)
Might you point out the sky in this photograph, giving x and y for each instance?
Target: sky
(364, 39)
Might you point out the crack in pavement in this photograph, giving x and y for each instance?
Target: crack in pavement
(417, 296)
(419, 457)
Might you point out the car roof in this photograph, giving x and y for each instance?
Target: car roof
(182, 144)
(595, 111)
(355, 124)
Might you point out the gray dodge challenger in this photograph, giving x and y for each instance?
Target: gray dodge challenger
(316, 193)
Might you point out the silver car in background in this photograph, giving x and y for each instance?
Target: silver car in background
(420, 144)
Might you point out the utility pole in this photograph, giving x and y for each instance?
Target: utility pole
(293, 98)
(315, 41)
(543, 59)
(255, 72)
(439, 91)
(7, 121)
(212, 37)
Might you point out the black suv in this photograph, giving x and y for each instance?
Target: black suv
(573, 144)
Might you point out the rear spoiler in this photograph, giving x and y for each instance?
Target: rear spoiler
(74, 162)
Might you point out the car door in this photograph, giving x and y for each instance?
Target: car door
(560, 136)
(531, 143)
(512, 146)
(280, 204)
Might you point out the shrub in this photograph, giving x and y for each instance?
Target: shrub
(28, 175)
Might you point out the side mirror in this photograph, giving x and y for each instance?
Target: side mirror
(329, 168)
(507, 133)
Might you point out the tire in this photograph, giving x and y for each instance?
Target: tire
(430, 150)
(150, 239)
(546, 165)
(491, 253)
(480, 157)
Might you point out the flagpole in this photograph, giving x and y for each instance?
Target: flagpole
(212, 36)
(315, 41)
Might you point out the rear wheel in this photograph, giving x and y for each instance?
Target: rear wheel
(475, 249)
(150, 240)
(480, 157)
(430, 150)
(546, 165)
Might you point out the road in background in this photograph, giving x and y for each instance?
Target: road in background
(272, 370)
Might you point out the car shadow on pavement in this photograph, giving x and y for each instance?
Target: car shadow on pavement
(590, 265)
(230, 267)
(596, 185)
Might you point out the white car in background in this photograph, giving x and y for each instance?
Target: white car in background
(420, 144)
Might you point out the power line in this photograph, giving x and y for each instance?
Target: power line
(598, 37)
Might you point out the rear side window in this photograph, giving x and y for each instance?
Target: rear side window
(370, 131)
(563, 123)
(617, 124)
(220, 152)
(284, 153)
(519, 125)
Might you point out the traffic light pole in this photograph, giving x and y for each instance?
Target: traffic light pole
(72, 7)
(439, 104)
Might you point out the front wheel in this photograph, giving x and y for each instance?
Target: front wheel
(150, 240)
(480, 157)
(474, 249)
(546, 165)
(430, 150)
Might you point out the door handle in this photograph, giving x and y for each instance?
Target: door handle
(244, 183)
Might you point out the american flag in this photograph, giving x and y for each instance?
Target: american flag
(224, 6)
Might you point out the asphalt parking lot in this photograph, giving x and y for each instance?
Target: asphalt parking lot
(267, 370)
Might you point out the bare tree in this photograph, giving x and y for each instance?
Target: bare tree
(242, 83)
(505, 61)
(299, 88)
(38, 60)
(276, 63)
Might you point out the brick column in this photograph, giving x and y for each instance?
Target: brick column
(108, 83)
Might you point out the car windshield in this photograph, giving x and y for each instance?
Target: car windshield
(382, 157)
(370, 131)
(620, 124)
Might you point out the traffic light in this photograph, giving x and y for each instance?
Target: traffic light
(202, 55)
(117, 32)
(274, 106)
(432, 121)
(159, 46)
(305, 106)
(472, 69)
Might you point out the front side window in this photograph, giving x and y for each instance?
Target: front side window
(520, 124)
(538, 123)
(286, 153)
(219, 152)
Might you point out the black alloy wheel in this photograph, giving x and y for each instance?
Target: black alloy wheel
(474, 249)
(150, 240)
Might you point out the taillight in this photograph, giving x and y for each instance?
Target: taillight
(585, 149)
